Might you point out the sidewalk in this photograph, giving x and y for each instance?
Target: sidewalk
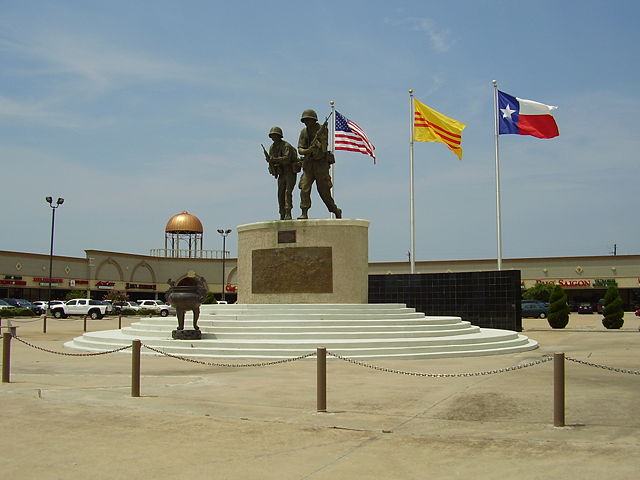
(73, 417)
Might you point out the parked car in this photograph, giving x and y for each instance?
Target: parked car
(4, 304)
(110, 310)
(162, 308)
(585, 308)
(129, 305)
(43, 304)
(22, 303)
(638, 312)
(80, 306)
(534, 309)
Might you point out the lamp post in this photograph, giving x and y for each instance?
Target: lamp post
(224, 234)
(53, 206)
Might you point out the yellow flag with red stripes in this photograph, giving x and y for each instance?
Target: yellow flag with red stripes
(432, 126)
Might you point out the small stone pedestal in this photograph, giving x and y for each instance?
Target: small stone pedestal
(303, 261)
(186, 335)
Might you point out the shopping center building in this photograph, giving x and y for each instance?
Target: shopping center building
(26, 275)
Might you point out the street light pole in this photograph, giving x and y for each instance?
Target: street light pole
(224, 234)
(59, 202)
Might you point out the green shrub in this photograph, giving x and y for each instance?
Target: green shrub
(558, 308)
(129, 311)
(147, 312)
(16, 312)
(613, 311)
(209, 299)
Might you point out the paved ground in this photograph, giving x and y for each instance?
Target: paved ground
(73, 417)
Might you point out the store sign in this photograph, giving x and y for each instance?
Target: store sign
(47, 280)
(12, 277)
(567, 283)
(13, 282)
(141, 286)
(78, 282)
(105, 285)
(605, 282)
(574, 283)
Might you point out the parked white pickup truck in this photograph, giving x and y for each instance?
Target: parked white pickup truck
(95, 309)
(157, 305)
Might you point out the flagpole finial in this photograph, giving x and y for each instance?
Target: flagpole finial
(495, 82)
(331, 102)
(411, 91)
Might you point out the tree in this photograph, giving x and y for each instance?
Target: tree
(612, 311)
(75, 294)
(558, 308)
(116, 296)
(541, 291)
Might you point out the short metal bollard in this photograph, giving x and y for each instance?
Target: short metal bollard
(84, 327)
(119, 321)
(44, 323)
(6, 357)
(135, 368)
(321, 373)
(558, 389)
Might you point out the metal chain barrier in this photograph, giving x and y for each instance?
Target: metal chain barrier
(544, 359)
(19, 320)
(215, 364)
(70, 354)
(605, 367)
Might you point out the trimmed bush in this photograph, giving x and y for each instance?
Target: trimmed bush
(558, 308)
(16, 312)
(613, 311)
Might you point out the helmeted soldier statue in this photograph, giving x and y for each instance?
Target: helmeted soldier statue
(284, 165)
(312, 145)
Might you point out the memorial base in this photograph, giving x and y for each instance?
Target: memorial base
(303, 261)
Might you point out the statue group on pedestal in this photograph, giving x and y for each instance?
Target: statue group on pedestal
(284, 165)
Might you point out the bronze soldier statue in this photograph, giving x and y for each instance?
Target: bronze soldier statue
(283, 165)
(312, 145)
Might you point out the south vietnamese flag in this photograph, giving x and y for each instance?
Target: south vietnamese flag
(525, 117)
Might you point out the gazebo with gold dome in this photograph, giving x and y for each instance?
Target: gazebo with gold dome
(185, 228)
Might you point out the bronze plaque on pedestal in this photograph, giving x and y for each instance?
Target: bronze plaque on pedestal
(292, 270)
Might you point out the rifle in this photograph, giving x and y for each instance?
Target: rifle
(272, 168)
(315, 143)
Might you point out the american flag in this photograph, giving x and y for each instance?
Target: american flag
(349, 136)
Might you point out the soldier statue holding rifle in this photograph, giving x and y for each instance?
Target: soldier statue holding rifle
(284, 166)
(312, 145)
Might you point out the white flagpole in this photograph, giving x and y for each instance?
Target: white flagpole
(498, 215)
(412, 213)
(332, 147)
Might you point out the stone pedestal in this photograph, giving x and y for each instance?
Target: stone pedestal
(186, 335)
(303, 261)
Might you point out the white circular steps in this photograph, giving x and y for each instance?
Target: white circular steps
(362, 331)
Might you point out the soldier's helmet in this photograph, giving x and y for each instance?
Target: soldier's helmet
(276, 131)
(309, 113)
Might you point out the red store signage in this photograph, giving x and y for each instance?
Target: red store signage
(13, 282)
(47, 280)
(567, 283)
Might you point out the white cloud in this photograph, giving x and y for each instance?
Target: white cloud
(439, 38)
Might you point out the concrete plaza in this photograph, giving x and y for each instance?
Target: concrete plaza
(69, 417)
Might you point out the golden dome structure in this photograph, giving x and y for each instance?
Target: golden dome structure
(183, 230)
(184, 222)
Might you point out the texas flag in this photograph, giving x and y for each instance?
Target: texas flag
(525, 117)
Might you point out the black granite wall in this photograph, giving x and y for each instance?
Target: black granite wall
(486, 299)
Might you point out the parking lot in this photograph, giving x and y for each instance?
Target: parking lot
(74, 417)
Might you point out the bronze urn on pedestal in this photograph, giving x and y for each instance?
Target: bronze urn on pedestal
(186, 295)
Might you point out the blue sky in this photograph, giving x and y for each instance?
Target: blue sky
(135, 111)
